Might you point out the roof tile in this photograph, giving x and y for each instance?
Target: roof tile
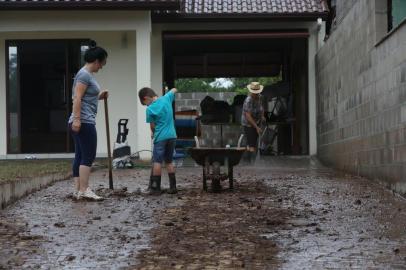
(182, 7)
(89, 4)
(252, 6)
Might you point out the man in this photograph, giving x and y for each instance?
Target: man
(251, 118)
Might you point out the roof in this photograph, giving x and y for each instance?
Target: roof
(88, 4)
(248, 8)
(252, 6)
(189, 9)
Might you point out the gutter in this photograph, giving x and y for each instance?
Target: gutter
(299, 33)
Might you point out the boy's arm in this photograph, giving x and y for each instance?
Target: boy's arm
(171, 94)
(152, 127)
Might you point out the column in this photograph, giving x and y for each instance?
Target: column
(143, 44)
(3, 100)
(312, 47)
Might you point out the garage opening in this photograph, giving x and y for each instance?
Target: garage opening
(221, 64)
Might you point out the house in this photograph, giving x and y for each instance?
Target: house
(150, 42)
(361, 90)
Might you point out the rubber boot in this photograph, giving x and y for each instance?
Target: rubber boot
(150, 181)
(172, 184)
(155, 187)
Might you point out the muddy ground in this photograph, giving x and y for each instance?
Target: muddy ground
(284, 213)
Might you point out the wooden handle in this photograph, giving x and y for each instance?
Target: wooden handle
(106, 114)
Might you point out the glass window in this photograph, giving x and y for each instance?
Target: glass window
(83, 49)
(13, 101)
(397, 13)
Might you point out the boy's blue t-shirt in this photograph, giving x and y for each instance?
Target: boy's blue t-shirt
(160, 113)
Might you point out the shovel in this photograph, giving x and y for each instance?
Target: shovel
(258, 156)
(106, 114)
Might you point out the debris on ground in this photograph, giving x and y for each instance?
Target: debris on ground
(287, 215)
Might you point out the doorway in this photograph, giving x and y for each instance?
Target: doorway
(39, 94)
(205, 57)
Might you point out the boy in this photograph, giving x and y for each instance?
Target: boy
(160, 116)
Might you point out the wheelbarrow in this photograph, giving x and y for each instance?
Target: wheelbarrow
(211, 159)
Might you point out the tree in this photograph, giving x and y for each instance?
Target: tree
(186, 85)
(239, 85)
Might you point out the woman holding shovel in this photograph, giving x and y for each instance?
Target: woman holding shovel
(251, 118)
(86, 94)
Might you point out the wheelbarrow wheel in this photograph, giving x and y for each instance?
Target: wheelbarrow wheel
(216, 185)
(205, 172)
(230, 177)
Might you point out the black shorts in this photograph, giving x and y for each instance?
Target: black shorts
(252, 136)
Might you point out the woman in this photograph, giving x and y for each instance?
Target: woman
(252, 115)
(86, 94)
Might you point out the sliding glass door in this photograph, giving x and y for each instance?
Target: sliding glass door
(39, 89)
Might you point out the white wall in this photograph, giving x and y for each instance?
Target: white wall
(45, 21)
(125, 73)
(143, 132)
(120, 74)
(3, 114)
(312, 50)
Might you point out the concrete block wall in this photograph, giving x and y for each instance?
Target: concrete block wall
(361, 91)
(11, 191)
(191, 101)
(343, 7)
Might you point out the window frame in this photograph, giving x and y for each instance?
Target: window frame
(390, 16)
(331, 16)
(391, 26)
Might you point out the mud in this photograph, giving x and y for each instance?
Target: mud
(284, 213)
(303, 216)
(50, 230)
(217, 231)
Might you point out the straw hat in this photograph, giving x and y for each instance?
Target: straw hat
(255, 87)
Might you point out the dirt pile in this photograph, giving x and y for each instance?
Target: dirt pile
(217, 230)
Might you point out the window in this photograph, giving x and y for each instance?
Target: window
(396, 13)
(13, 99)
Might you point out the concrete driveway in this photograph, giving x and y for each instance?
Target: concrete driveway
(284, 213)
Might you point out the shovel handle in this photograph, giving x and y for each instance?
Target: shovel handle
(106, 114)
